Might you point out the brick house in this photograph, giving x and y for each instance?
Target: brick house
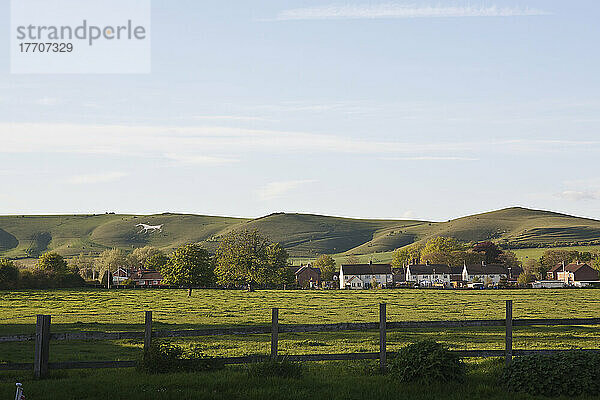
(307, 276)
(573, 274)
(146, 278)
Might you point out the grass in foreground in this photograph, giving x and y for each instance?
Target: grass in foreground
(333, 380)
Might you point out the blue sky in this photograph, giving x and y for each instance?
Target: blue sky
(428, 110)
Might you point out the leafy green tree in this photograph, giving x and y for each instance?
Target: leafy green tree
(525, 278)
(52, 262)
(490, 250)
(534, 267)
(139, 256)
(156, 261)
(9, 274)
(110, 260)
(440, 244)
(83, 263)
(509, 259)
(407, 255)
(327, 265)
(461, 257)
(246, 258)
(189, 266)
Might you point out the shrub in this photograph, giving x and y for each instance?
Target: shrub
(164, 357)
(9, 274)
(570, 373)
(280, 368)
(42, 279)
(427, 361)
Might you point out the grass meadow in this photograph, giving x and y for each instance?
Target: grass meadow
(121, 310)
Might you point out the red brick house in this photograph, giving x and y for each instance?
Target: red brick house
(573, 274)
(146, 278)
(307, 276)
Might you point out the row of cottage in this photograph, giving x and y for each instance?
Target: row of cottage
(364, 276)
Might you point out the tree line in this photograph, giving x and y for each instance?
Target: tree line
(243, 258)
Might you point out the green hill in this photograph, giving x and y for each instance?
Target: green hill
(304, 235)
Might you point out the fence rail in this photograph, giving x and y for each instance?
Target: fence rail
(42, 337)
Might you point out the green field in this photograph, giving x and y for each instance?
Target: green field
(303, 235)
(119, 310)
(123, 310)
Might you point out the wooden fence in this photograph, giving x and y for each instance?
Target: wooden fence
(43, 336)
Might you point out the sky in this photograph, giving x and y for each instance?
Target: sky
(391, 109)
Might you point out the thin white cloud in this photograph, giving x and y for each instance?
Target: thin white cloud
(431, 158)
(276, 190)
(104, 177)
(47, 101)
(199, 159)
(207, 144)
(398, 10)
(576, 195)
(230, 118)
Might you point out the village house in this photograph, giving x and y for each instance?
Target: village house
(363, 276)
(574, 274)
(146, 278)
(307, 277)
(429, 275)
(456, 277)
(121, 275)
(489, 274)
(139, 277)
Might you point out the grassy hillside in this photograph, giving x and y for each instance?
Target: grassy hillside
(516, 227)
(304, 235)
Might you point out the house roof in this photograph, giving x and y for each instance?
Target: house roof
(428, 269)
(573, 267)
(297, 270)
(366, 269)
(486, 269)
(147, 275)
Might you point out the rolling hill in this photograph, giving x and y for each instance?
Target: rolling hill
(303, 235)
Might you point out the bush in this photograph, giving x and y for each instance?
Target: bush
(427, 361)
(164, 357)
(9, 274)
(570, 373)
(280, 368)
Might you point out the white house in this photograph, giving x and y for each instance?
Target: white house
(427, 275)
(121, 275)
(361, 276)
(489, 274)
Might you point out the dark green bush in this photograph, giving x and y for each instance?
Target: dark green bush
(280, 368)
(164, 357)
(570, 373)
(427, 361)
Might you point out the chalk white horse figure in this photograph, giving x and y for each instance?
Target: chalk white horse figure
(148, 228)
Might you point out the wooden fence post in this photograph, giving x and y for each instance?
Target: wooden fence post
(147, 330)
(382, 338)
(508, 337)
(274, 332)
(42, 346)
